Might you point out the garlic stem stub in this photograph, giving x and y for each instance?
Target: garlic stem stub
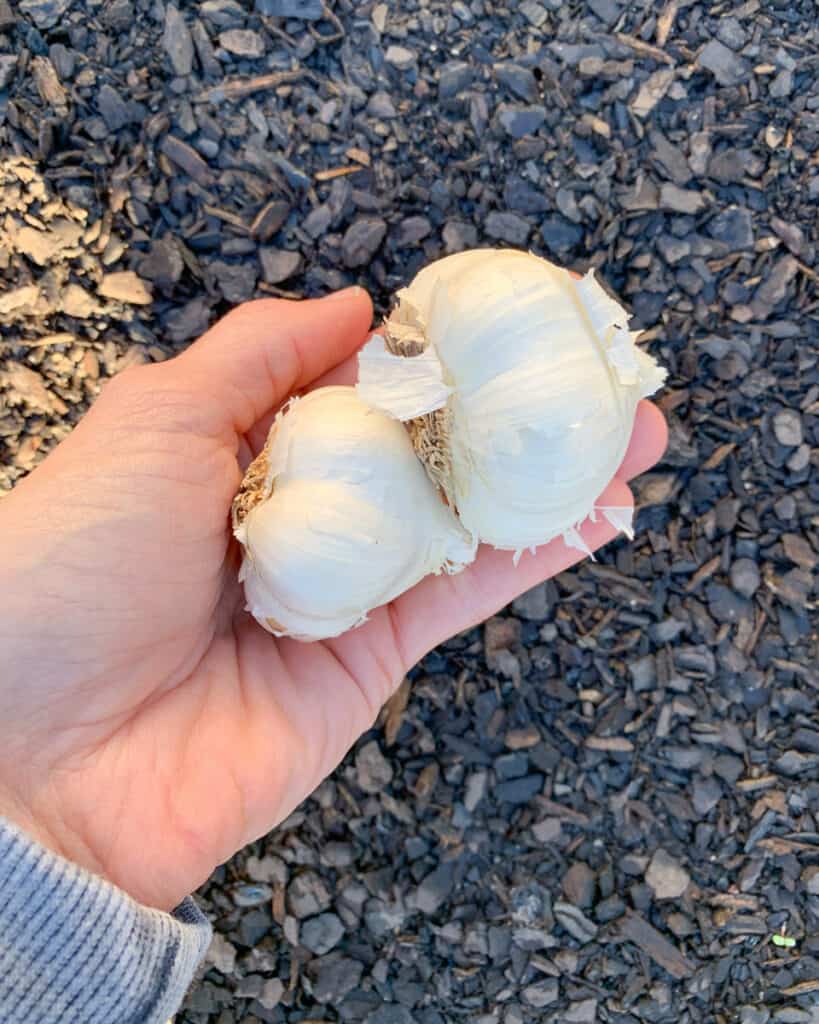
(519, 386)
(336, 517)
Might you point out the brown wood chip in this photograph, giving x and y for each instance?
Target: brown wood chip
(188, 159)
(637, 930)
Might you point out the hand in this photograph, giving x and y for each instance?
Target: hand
(148, 727)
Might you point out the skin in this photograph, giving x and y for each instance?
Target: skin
(148, 727)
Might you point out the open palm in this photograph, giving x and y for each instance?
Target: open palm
(148, 727)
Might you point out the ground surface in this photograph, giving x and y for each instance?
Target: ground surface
(602, 805)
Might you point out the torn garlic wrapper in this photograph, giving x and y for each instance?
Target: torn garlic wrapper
(519, 386)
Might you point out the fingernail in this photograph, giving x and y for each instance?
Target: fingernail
(345, 293)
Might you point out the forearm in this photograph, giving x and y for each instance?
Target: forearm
(74, 947)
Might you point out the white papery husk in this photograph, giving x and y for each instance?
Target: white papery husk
(529, 381)
(337, 517)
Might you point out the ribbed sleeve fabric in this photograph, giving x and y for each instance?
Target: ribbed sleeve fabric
(74, 948)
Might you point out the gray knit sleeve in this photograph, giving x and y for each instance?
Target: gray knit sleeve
(75, 948)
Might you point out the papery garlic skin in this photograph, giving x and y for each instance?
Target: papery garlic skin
(533, 397)
(338, 517)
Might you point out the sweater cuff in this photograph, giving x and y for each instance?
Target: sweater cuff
(75, 947)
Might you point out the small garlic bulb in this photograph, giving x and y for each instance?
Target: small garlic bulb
(337, 516)
(519, 385)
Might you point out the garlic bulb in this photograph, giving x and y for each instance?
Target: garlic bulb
(520, 387)
(337, 516)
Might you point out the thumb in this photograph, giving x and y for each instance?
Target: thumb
(262, 351)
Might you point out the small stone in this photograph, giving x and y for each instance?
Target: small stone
(774, 286)
(411, 232)
(336, 976)
(8, 19)
(535, 13)
(223, 13)
(391, 1013)
(221, 954)
(731, 32)
(754, 1015)
(609, 909)
(8, 68)
(520, 121)
(253, 926)
(507, 227)
(531, 905)
(518, 80)
(547, 831)
(673, 249)
(401, 57)
(373, 770)
(361, 240)
(271, 994)
(115, 111)
(380, 105)
(307, 895)
(45, 13)
(584, 1011)
(256, 895)
(511, 766)
(242, 42)
(782, 85)
(575, 922)
(236, 281)
(476, 786)
(745, 578)
(296, 177)
(303, 10)
(810, 879)
(453, 78)
(798, 550)
(125, 286)
(188, 321)
(733, 227)
(321, 934)
(459, 235)
(519, 195)
(787, 428)
(608, 11)
(266, 869)
(791, 234)
(667, 878)
(177, 41)
(519, 791)
(560, 236)
(579, 885)
(434, 890)
(725, 604)
(724, 64)
(541, 993)
(680, 200)
(279, 264)
(706, 795)
(163, 265)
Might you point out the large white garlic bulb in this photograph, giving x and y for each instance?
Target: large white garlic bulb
(520, 386)
(337, 517)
